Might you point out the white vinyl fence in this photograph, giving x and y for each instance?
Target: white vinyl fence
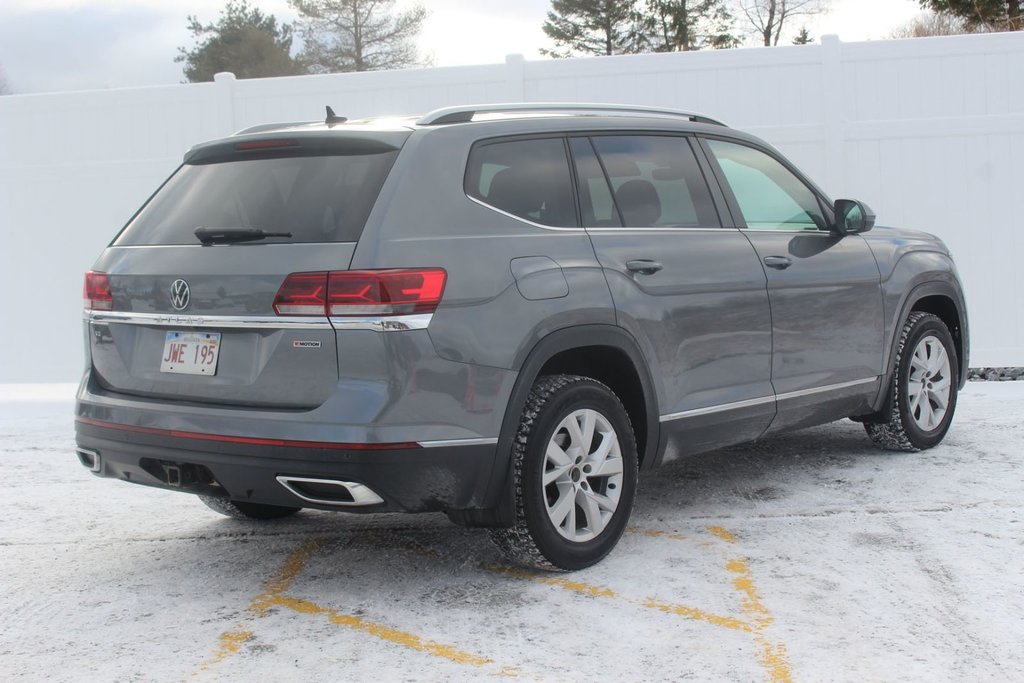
(929, 132)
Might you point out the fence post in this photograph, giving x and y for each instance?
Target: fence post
(224, 82)
(834, 124)
(515, 78)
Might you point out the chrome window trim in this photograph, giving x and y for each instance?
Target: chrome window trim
(751, 402)
(459, 442)
(654, 229)
(216, 321)
(519, 218)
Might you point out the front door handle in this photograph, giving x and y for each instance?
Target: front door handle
(643, 266)
(777, 262)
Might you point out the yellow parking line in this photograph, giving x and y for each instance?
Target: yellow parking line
(773, 655)
(731, 623)
(551, 580)
(272, 595)
(231, 641)
(392, 635)
(282, 581)
(656, 533)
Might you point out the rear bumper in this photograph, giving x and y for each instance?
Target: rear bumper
(407, 478)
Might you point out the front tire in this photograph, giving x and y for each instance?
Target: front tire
(239, 509)
(575, 472)
(924, 387)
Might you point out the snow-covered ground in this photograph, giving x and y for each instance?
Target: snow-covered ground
(809, 557)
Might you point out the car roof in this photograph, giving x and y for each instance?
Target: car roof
(475, 113)
(491, 120)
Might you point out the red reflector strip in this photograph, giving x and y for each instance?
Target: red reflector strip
(249, 440)
(265, 144)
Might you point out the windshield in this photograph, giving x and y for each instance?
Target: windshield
(315, 198)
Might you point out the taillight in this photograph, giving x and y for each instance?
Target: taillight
(384, 292)
(398, 291)
(96, 293)
(302, 294)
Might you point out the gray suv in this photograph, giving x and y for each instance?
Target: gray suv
(500, 312)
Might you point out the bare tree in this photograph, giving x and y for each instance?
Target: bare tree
(934, 24)
(358, 35)
(769, 18)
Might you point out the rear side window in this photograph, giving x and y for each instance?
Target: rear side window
(526, 178)
(316, 198)
(656, 182)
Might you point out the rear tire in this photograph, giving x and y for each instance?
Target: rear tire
(924, 387)
(575, 471)
(238, 509)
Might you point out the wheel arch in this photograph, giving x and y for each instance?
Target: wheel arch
(606, 353)
(940, 298)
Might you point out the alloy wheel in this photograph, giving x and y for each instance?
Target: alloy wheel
(582, 476)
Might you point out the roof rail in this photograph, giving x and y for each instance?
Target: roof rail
(464, 114)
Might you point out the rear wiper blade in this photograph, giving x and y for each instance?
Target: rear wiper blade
(229, 235)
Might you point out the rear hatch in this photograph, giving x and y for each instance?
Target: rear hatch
(172, 317)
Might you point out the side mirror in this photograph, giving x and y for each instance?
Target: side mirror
(853, 217)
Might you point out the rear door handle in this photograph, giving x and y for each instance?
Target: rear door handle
(643, 266)
(777, 262)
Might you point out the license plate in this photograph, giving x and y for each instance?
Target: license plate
(191, 353)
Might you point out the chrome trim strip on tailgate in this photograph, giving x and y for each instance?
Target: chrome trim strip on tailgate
(397, 323)
(765, 399)
(218, 321)
(393, 323)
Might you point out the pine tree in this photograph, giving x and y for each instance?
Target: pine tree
(358, 35)
(594, 27)
(803, 38)
(244, 41)
(683, 25)
(994, 15)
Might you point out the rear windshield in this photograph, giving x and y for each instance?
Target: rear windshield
(316, 198)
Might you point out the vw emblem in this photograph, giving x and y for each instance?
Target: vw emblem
(180, 295)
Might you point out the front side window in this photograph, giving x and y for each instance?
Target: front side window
(770, 196)
(527, 178)
(655, 181)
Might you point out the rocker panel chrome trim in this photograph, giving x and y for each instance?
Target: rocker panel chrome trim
(749, 403)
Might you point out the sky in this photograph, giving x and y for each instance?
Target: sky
(55, 45)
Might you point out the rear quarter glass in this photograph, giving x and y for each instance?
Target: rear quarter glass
(317, 198)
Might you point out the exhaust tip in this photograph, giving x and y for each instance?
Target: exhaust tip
(89, 459)
(330, 491)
